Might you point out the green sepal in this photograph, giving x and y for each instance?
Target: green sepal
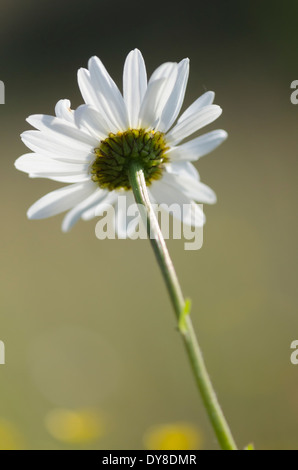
(184, 313)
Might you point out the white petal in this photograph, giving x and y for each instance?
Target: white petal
(134, 85)
(98, 209)
(93, 98)
(60, 200)
(163, 71)
(177, 203)
(163, 193)
(197, 148)
(175, 100)
(205, 100)
(80, 178)
(87, 91)
(149, 112)
(58, 147)
(54, 126)
(192, 188)
(193, 123)
(183, 169)
(75, 214)
(34, 163)
(39, 166)
(108, 94)
(64, 111)
(90, 119)
(159, 89)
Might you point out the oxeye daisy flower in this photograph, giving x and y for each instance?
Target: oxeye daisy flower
(91, 148)
(133, 146)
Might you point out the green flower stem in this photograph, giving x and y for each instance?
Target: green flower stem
(181, 308)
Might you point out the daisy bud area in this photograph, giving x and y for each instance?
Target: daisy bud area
(116, 153)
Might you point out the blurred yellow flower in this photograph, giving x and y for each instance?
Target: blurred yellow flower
(176, 436)
(74, 427)
(10, 438)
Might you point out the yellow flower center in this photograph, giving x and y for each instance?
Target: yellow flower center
(116, 153)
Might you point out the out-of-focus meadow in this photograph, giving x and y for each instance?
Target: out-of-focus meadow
(93, 358)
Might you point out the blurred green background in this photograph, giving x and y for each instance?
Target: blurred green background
(87, 325)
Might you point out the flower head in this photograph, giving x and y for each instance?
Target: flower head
(75, 426)
(174, 436)
(91, 148)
